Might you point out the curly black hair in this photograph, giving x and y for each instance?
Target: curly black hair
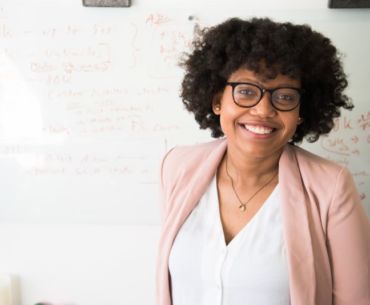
(292, 50)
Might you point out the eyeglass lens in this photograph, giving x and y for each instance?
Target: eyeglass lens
(248, 95)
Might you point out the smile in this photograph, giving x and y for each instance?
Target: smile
(258, 129)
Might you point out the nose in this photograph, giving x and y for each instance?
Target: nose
(264, 108)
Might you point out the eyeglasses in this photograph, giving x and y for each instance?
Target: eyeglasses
(248, 95)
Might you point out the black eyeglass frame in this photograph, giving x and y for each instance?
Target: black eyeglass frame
(263, 91)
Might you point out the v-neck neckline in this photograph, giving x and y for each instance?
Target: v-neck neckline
(215, 199)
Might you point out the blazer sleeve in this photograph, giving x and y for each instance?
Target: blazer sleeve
(348, 239)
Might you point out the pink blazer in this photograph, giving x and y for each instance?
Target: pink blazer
(326, 230)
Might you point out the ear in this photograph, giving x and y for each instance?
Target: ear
(299, 121)
(216, 104)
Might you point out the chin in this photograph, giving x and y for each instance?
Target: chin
(263, 152)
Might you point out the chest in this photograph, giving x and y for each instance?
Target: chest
(251, 267)
(233, 218)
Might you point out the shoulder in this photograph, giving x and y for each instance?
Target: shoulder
(311, 164)
(191, 153)
(324, 180)
(318, 176)
(185, 159)
(328, 187)
(184, 166)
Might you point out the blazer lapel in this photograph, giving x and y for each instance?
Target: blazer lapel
(296, 228)
(197, 185)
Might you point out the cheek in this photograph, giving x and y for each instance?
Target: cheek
(228, 112)
(291, 118)
(228, 118)
(291, 124)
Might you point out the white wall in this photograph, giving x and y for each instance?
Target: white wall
(89, 103)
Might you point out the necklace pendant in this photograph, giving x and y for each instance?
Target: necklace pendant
(242, 207)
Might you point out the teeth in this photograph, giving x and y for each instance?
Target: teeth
(258, 129)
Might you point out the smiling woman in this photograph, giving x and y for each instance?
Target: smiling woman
(258, 130)
(251, 218)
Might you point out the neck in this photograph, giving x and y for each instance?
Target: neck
(250, 171)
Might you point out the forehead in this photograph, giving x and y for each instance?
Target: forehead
(264, 78)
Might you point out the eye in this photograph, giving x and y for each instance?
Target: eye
(246, 91)
(286, 95)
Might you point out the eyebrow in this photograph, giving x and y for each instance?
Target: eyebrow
(254, 81)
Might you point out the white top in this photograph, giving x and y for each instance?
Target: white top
(250, 270)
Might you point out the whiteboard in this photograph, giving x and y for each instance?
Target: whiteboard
(89, 104)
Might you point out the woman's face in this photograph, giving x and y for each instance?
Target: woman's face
(260, 131)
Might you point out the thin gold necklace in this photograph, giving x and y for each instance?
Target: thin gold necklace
(243, 205)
